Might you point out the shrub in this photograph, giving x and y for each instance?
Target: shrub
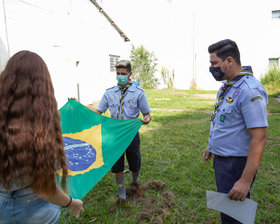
(271, 79)
(168, 78)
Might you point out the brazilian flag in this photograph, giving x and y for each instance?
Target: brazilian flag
(92, 143)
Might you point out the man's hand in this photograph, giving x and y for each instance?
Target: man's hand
(207, 156)
(239, 191)
(147, 118)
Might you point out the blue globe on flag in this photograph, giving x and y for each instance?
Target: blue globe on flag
(81, 155)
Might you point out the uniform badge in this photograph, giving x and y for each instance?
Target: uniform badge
(229, 99)
(256, 98)
(222, 118)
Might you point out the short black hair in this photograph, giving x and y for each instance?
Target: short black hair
(124, 64)
(224, 49)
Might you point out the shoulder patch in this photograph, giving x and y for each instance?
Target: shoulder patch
(256, 98)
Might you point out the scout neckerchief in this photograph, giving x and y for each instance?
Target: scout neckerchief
(225, 87)
(123, 90)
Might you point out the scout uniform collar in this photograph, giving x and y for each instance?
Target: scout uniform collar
(130, 87)
(226, 86)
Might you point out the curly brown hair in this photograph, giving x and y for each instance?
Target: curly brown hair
(31, 144)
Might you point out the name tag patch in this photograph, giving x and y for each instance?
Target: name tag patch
(236, 93)
(222, 117)
(256, 98)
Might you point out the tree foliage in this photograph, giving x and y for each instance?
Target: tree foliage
(144, 65)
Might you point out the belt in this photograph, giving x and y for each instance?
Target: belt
(230, 157)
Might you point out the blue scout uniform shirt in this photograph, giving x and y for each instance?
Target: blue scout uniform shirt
(243, 107)
(135, 101)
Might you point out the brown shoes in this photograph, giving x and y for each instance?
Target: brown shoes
(118, 204)
(139, 191)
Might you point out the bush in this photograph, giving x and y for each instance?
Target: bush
(271, 79)
(168, 78)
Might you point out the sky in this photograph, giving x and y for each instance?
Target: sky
(175, 30)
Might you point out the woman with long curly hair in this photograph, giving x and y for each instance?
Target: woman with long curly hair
(31, 145)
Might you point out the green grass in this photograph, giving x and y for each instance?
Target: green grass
(172, 146)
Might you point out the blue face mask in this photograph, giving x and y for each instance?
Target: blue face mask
(217, 73)
(122, 79)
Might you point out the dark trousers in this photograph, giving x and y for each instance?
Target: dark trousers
(227, 172)
(133, 157)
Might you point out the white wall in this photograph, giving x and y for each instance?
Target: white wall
(62, 33)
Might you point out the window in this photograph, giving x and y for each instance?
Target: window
(113, 60)
(273, 61)
(276, 14)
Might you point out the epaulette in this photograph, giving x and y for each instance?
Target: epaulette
(139, 88)
(252, 82)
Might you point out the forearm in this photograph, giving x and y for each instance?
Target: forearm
(59, 198)
(253, 160)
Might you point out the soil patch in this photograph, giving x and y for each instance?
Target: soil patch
(206, 96)
(274, 140)
(154, 207)
(165, 99)
(182, 110)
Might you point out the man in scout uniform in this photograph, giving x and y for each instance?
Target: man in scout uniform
(239, 124)
(125, 101)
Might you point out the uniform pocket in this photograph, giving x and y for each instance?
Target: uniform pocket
(113, 109)
(131, 108)
(225, 116)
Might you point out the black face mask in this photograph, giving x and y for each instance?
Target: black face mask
(217, 73)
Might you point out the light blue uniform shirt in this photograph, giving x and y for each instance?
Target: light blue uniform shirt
(243, 107)
(135, 101)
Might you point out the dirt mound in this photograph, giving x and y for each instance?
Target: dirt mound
(154, 208)
(145, 215)
(156, 185)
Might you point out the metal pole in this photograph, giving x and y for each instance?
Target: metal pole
(5, 19)
(78, 89)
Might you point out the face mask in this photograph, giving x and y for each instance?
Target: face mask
(122, 79)
(217, 72)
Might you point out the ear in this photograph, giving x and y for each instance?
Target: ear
(230, 60)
